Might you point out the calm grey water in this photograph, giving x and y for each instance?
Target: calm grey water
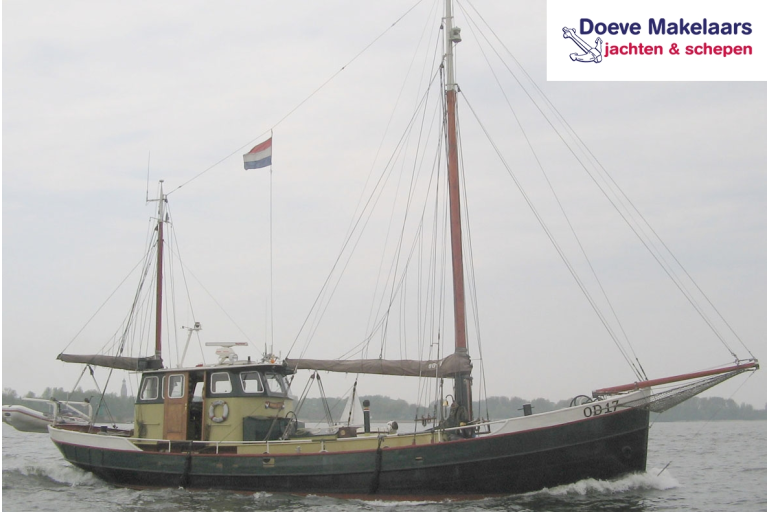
(714, 466)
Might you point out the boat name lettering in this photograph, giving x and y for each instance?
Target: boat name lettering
(598, 409)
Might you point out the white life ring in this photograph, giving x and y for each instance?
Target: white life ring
(224, 411)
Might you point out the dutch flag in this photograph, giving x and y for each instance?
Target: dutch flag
(260, 156)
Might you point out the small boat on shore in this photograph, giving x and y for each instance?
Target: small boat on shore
(26, 419)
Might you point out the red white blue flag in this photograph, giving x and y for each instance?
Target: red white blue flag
(260, 156)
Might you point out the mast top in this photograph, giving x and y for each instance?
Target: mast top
(452, 36)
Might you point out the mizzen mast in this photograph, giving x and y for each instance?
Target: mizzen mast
(462, 381)
(159, 286)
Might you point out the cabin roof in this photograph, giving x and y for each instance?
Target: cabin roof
(239, 366)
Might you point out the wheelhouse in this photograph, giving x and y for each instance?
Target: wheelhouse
(250, 402)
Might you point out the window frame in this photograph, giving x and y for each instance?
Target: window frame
(171, 379)
(213, 387)
(259, 380)
(145, 385)
(277, 377)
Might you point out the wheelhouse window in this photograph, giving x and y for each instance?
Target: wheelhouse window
(274, 383)
(251, 382)
(220, 383)
(149, 388)
(176, 386)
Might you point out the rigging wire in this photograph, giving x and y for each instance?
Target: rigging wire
(170, 297)
(398, 151)
(383, 318)
(136, 301)
(552, 239)
(437, 265)
(405, 218)
(140, 313)
(175, 244)
(416, 245)
(392, 114)
(558, 201)
(219, 305)
(292, 111)
(435, 58)
(103, 304)
(398, 286)
(116, 343)
(401, 281)
(648, 243)
(371, 202)
(471, 280)
(302, 102)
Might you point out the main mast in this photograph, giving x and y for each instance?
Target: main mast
(462, 381)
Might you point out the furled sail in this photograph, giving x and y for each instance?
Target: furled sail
(117, 362)
(447, 367)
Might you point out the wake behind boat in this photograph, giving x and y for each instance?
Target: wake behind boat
(236, 424)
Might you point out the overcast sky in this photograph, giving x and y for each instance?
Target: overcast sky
(92, 89)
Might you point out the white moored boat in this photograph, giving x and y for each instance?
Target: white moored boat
(27, 419)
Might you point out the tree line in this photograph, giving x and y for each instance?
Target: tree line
(117, 409)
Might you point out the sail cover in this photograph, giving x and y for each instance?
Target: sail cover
(118, 362)
(446, 367)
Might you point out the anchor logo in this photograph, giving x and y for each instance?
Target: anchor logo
(591, 54)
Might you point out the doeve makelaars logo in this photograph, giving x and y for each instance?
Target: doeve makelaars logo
(686, 40)
(591, 53)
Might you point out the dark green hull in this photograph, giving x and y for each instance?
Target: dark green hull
(600, 447)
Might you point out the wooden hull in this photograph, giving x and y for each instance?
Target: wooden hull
(518, 460)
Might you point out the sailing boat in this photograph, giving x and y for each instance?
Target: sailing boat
(234, 425)
(353, 414)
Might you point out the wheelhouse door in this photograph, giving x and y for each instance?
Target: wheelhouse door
(176, 392)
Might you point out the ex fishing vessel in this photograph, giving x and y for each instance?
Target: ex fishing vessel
(235, 424)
